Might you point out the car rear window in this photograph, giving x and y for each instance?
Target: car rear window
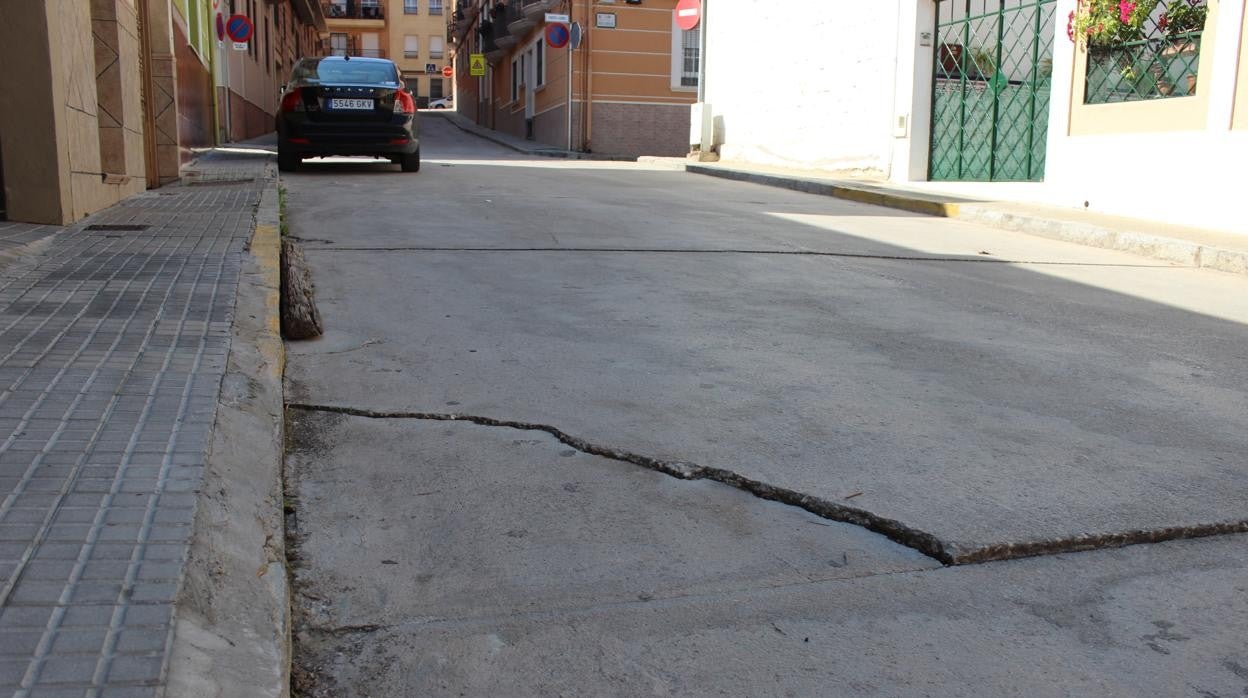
(370, 72)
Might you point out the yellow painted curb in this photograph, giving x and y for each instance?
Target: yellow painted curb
(266, 247)
(942, 209)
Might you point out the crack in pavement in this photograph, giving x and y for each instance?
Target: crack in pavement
(948, 553)
(789, 253)
(554, 612)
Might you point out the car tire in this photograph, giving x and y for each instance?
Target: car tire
(439, 106)
(410, 162)
(287, 162)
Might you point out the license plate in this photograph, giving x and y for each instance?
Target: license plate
(356, 104)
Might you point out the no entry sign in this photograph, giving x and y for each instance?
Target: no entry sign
(688, 14)
(557, 35)
(239, 28)
(448, 71)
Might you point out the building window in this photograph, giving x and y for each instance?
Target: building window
(435, 7)
(515, 79)
(410, 7)
(338, 8)
(338, 44)
(411, 47)
(691, 46)
(539, 65)
(435, 47)
(435, 88)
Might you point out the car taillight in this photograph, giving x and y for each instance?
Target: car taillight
(404, 103)
(292, 101)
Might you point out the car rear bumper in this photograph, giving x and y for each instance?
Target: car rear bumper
(309, 138)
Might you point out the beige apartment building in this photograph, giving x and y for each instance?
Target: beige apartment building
(625, 90)
(418, 46)
(412, 33)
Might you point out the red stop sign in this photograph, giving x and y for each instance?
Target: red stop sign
(688, 14)
(448, 71)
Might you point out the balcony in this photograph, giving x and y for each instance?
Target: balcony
(460, 21)
(354, 9)
(493, 53)
(502, 15)
(524, 22)
(351, 48)
(536, 9)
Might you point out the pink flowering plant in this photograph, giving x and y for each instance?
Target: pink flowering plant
(1183, 17)
(1105, 23)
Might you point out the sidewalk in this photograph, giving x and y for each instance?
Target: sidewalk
(519, 145)
(1187, 246)
(114, 337)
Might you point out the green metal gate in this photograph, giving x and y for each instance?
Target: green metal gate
(990, 92)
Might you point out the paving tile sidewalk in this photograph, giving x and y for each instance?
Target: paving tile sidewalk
(113, 342)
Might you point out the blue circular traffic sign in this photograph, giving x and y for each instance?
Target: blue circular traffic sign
(239, 28)
(557, 35)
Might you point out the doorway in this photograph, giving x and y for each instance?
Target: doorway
(990, 90)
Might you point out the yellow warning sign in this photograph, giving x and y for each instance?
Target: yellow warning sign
(477, 65)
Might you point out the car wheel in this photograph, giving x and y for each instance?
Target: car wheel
(286, 161)
(411, 162)
(439, 106)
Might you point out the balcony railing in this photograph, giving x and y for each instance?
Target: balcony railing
(355, 9)
(351, 49)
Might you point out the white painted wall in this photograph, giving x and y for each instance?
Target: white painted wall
(844, 73)
(803, 83)
(1184, 177)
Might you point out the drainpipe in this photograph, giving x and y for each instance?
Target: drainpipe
(213, 58)
(588, 107)
(151, 166)
(702, 55)
(568, 58)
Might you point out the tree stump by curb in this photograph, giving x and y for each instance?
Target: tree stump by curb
(300, 318)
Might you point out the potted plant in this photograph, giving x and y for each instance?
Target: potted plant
(982, 64)
(1182, 19)
(1104, 24)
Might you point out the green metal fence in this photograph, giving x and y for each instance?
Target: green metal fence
(1154, 68)
(990, 94)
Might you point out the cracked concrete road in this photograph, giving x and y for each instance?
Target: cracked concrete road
(999, 394)
(440, 558)
(1083, 396)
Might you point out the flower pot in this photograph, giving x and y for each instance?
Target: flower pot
(1179, 47)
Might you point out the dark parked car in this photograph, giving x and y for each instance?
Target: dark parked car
(338, 105)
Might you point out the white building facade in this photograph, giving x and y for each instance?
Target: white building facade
(994, 99)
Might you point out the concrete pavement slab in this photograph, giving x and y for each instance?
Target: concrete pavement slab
(1077, 397)
(989, 406)
(459, 518)
(1165, 620)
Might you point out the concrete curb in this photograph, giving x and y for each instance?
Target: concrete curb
(878, 196)
(232, 619)
(1178, 250)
